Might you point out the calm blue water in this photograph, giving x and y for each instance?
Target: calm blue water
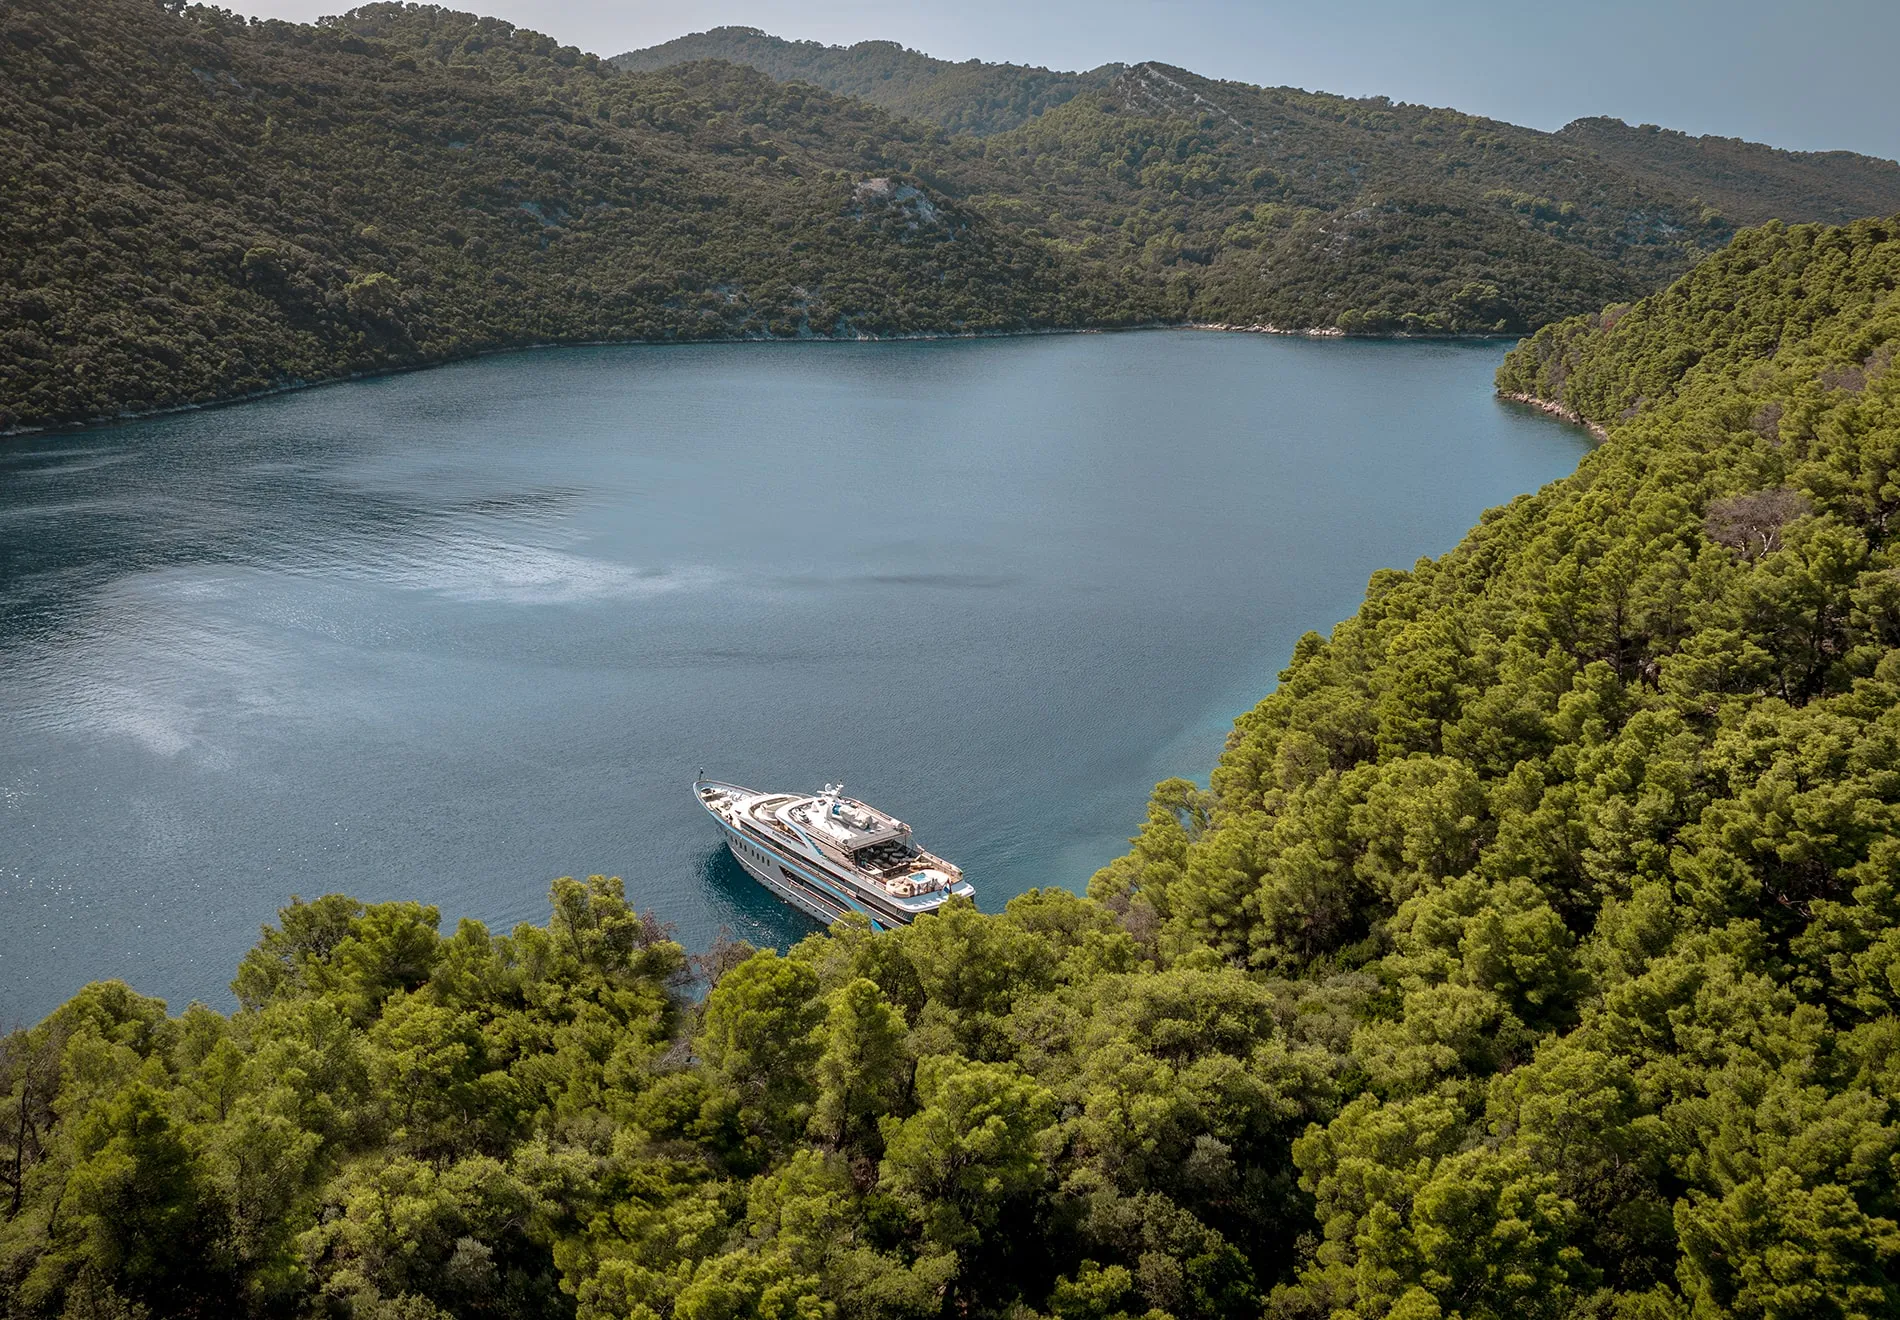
(448, 635)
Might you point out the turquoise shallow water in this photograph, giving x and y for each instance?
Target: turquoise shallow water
(450, 634)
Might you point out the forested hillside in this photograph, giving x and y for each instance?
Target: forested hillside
(1275, 205)
(200, 207)
(1299, 210)
(203, 207)
(1534, 954)
(966, 97)
(1748, 182)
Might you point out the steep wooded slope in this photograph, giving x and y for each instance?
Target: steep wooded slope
(1608, 802)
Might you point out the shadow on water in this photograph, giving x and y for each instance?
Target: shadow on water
(747, 910)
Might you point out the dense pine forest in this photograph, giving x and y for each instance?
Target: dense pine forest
(203, 206)
(1533, 954)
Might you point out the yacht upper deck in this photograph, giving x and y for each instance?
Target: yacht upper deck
(844, 823)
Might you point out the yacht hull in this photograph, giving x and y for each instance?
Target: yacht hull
(795, 880)
(777, 876)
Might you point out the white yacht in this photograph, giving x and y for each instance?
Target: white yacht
(831, 855)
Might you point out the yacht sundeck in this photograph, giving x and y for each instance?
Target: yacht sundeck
(829, 855)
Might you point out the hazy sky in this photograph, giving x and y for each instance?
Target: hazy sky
(1811, 75)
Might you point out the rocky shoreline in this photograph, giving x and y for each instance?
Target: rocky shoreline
(1263, 328)
(1557, 410)
(1334, 332)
